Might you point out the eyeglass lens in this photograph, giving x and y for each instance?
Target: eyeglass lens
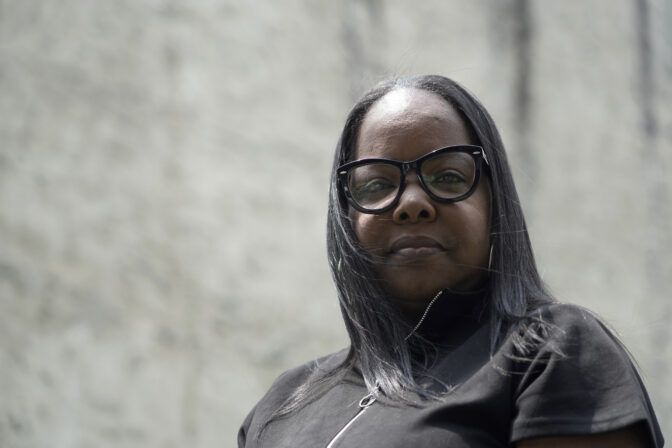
(447, 175)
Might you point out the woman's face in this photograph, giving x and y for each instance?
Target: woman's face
(422, 245)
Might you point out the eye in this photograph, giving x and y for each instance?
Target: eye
(374, 187)
(448, 183)
(449, 175)
(445, 178)
(370, 183)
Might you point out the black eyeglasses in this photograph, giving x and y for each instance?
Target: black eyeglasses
(448, 174)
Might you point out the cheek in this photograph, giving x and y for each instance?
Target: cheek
(474, 222)
(369, 230)
(483, 208)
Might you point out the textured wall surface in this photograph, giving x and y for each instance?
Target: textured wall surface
(163, 186)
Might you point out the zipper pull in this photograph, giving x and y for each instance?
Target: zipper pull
(367, 401)
(364, 404)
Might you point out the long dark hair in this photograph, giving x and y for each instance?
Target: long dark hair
(376, 328)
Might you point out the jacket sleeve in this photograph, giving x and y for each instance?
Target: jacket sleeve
(582, 381)
(244, 428)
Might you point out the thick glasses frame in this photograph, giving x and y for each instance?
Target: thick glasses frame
(476, 152)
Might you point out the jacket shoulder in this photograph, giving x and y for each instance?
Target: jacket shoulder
(282, 388)
(571, 322)
(293, 378)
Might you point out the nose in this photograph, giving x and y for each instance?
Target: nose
(414, 205)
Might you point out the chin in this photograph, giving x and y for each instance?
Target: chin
(413, 292)
(416, 289)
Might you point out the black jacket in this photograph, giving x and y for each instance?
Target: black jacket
(581, 381)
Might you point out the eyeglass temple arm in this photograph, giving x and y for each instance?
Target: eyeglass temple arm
(485, 157)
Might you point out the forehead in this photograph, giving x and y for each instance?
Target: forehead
(408, 123)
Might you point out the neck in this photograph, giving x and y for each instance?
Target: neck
(449, 315)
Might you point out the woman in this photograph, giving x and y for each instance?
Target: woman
(454, 339)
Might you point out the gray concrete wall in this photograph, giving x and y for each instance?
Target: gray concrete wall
(163, 183)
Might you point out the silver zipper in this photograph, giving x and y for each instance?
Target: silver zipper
(364, 404)
(424, 315)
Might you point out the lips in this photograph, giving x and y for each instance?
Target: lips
(415, 246)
